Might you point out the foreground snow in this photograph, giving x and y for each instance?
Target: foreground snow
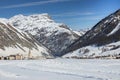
(60, 69)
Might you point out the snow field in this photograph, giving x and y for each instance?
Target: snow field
(60, 69)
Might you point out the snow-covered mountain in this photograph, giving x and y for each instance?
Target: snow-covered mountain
(81, 32)
(14, 41)
(104, 36)
(55, 36)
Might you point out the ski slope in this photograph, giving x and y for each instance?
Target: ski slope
(60, 69)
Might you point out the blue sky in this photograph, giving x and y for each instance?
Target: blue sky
(77, 14)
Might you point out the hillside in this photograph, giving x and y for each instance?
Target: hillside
(104, 33)
(14, 41)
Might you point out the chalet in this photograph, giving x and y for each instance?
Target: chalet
(1, 58)
(12, 57)
(118, 57)
(19, 57)
(15, 57)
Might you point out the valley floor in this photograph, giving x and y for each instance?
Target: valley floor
(60, 69)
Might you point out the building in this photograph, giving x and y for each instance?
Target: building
(12, 57)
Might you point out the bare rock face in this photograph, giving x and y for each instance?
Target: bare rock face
(104, 32)
(14, 41)
(55, 36)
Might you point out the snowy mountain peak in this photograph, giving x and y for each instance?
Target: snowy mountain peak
(19, 16)
(35, 17)
(43, 15)
(33, 22)
(55, 36)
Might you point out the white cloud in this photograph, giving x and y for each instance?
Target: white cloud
(92, 18)
(78, 19)
(74, 14)
(33, 3)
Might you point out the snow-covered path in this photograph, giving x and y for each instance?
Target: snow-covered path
(60, 69)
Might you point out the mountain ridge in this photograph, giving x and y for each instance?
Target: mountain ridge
(103, 33)
(55, 36)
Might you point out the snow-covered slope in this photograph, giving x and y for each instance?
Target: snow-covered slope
(14, 41)
(114, 30)
(93, 51)
(105, 32)
(55, 36)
